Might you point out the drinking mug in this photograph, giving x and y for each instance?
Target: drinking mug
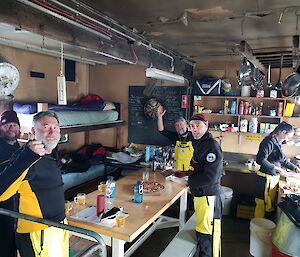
(121, 219)
(80, 199)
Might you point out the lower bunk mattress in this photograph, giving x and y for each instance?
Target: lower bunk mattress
(77, 178)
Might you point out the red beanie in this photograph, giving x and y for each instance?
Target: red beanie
(201, 117)
(9, 116)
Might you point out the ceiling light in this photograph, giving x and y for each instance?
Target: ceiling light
(163, 75)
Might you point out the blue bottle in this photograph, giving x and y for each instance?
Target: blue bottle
(233, 107)
(110, 187)
(147, 154)
(138, 195)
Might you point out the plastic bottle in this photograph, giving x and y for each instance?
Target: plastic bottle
(243, 125)
(246, 104)
(226, 103)
(110, 187)
(280, 108)
(233, 107)
(241, 108)
(260, 112)
(253, 124)
(138, 195)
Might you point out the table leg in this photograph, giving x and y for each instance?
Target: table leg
(117, 248)
(182, 210)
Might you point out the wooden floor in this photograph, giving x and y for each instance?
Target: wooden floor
(235, 240)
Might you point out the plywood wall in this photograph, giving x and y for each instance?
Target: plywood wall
(44, 90)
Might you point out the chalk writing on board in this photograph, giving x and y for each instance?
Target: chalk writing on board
(142, 129)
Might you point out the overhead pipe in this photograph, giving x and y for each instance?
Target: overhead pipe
(41, 50)
(113, 29)
(61, 17)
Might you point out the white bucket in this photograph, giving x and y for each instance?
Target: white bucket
(227, 197)
(261, 232)
(245, 90)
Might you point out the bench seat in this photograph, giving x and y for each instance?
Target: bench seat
(184, 244)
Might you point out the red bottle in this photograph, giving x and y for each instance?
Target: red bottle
(100, 204)
(241, 108)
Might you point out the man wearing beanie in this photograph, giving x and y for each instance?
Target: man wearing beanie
(9, 132)
(204, 183)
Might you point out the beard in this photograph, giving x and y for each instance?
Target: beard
(10, 136)
(50, 142)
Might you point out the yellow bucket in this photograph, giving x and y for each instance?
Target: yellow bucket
(289, 109)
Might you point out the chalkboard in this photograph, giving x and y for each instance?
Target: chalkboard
(143, 130)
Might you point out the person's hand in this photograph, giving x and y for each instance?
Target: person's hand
(160, 111)
(37, 147)
(298, 169)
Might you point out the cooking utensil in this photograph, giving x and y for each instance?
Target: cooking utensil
(279, 82)
(269, 77)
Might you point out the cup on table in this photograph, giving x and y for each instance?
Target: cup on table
(100, 204)
(80, 199)
(145, 175)
(102, 188)
(121, 219)
(68, 206)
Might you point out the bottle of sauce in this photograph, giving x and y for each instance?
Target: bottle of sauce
(241, 108)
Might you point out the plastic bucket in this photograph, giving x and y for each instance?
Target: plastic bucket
(261, 232)
(227, 194)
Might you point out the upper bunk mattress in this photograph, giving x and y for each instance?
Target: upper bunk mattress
(69, 119)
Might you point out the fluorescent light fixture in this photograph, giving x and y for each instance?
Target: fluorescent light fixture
(163, 75)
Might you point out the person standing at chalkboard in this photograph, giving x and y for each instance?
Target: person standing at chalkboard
(181, 134)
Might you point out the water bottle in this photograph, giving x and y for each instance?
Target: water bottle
(138, 195)
(110, 187)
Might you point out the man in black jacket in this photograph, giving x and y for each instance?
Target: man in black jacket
(204, 183)
(272, 163)
(33, 172)
(9, 133)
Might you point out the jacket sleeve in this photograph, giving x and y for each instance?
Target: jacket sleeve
(208, 171)
(287, 164)
(12, 175)
(171, 135)
(265, 149)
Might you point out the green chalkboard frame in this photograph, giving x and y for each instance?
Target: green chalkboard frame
(143, 130)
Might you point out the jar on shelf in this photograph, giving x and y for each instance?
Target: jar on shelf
(243, 125)
(253, 125)
(280, 109)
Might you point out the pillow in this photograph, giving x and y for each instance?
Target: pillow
(109, 106)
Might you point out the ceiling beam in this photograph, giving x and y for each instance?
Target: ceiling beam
(245, 50)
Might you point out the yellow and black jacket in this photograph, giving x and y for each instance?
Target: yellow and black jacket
(39, 183)
(208, 167)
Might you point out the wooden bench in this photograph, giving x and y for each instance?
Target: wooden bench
(184, 244)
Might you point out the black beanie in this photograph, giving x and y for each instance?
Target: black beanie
(9, 116)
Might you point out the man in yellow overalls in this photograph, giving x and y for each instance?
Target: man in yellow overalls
(204, 183)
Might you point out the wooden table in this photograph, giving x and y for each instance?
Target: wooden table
(141, 216)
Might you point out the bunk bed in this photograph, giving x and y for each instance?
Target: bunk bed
(72, 121)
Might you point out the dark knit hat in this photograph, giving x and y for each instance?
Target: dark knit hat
(201, 117)
(9, 116)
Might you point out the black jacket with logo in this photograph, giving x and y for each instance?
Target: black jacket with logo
(270, 155)
(208, 167)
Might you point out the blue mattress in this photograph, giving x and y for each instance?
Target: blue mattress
(74, 179)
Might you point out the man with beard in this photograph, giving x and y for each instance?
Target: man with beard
(181, 134)
(33, 172)
(204, 183)
(9, 132)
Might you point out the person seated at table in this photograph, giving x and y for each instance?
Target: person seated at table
(271, 159)
(181, 134)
